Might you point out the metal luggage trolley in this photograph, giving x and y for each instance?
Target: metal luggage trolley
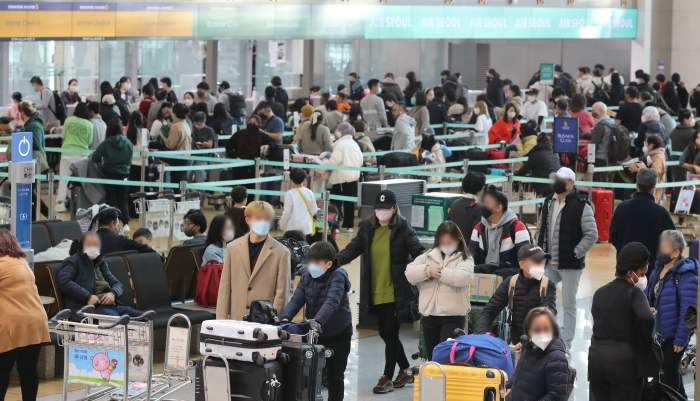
(168, 207)
(129, 368)
(5, 209)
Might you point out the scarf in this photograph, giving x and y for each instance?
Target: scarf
(249, 142)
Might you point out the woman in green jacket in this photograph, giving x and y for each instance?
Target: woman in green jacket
(116, 153)
(77, 135)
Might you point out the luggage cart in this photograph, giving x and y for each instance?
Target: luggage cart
(132, 338)
(166, 205)
(5, 210)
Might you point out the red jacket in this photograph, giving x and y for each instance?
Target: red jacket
(144, 107)
(503, 131)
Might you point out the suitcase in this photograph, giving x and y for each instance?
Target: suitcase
(499, 327)
(463, 382)
(602, 200)
(476, 154)
(78, 200)
(304, 371)
(248, 381)
(242, 341)
(301, 158)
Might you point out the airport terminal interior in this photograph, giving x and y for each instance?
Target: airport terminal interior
(393, 130)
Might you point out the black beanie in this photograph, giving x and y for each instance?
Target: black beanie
(633, 256)
(526, 130)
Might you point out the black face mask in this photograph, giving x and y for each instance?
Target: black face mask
(663, 258)
(262, 116)
(486, 213)
(559, 187)
(488, 80)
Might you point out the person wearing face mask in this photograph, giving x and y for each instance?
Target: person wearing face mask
(256, 267)
(108, 231)
(542, 372)
(47, 106)
(567, 230)
(429, 143)
(507, 128)
(122, 90)
(673, 287)
(438, 110)
(245, 144)
(601, 136)
(514, 97)
(387, 243)
(542, 162)
(71, 95)
(188, 99)
(194, 225)
(419, 112)
(160, 95)
(534, 108)
(655, 158)
(482, 122)
(220, 233)
(623, 325)
(204, 96)
(146, 103)
(85, 279)
(491, 242)
(494, 90)
(372, 105)
(528, 289)
(443, 276)
(323, 289)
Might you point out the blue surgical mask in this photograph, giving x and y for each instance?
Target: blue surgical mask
(33, 89)
(379, 91)
(261, 227)
(315, 270)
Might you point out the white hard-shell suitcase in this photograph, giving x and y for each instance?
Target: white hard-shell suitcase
(242, 341)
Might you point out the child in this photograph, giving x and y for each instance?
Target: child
(299, 205)
(144, 236)
(443, 275)
(239, 197)
(324, 289)
(317, 236)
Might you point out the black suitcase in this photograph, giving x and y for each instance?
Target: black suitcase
(274, 200)
(475, 154)
(249, 381)
(398, 160)
(304, 371)
(457, 155)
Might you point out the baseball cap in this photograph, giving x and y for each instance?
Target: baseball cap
(429, 131)
(533, 91)
(385, 200)
(558, 68)
(564, 173)
(533, 252)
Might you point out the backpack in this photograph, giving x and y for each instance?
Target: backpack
(477, 154)
(620, 144)
(298, 252)
(457, 155)
(208, 280)
(262, 312)
(600, 94)
(357, 141)
(511, 293)
(478, 350)
(496, 154)
(574, 87)
(61, 112)
(236, 104)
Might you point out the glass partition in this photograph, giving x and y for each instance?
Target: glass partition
(337, 57)
(180, 60)
(282, 58)
(232, 65)
(28, 59)
(81, 60)
(432, 61)
(371, 60)
(116, 61)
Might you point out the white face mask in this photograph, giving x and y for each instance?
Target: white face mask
(511, 115)
(532, 98)
(641, 282)
(92, 252)
(127, 85)
(228, 237)
(188, 102)
(73, 88)
(645, 149)
(542, 340)
(537, 272)
(448, 250)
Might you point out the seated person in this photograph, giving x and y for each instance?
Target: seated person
(239, 198)
(108, 227)
(526, 293)
(220, 233)
(324, 289)
(144, 236)
(85, 279)
(195, 226)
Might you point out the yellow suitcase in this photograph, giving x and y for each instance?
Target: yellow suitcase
(462, 383)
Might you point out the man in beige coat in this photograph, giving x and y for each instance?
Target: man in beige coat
(256, 267)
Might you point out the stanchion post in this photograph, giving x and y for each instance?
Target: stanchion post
(326, 197)
(591, 170)
(257, 175)
(444, 128)
(381, 172)
(161, 176)
(142, 201)
(49, 178)
(466, 166)
(503, 147)
(183, 187)
(38, 188)
(509, 184)
(520, 198)
(286, 180)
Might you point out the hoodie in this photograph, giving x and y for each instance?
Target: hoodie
(115, 153)
(326, 300)
(492, 244)
(541, 374)
(671, 299)
(389, 85)
(404, 133)
(648, 128)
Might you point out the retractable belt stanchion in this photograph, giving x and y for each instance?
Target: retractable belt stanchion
(509, 184)
(381, 172)
(161, 176)
(144, 163)
(21, 174)
(326, 196)
(49, 178)
(466, 166)
(37, 169)
(257, 175)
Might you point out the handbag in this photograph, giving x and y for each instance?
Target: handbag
(649, 354)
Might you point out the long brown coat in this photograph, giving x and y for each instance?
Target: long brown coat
(270, 279)
(23, 320)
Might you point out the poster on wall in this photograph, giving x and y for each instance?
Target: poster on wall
(281, 51)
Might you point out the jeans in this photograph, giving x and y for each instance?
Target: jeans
(570, 279)
(389, 332)
(437, 329)
(335, 366)
(118, 195)
(116, 310)
(64, 170)
(27, 359)
(348, 208)
(671, 367)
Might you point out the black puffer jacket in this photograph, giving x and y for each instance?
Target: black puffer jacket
(495, 92)
(404, 247)
(542, 162)
(541, 374)
(525, 298)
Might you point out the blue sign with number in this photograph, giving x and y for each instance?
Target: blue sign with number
(565, 135)
(22, 144)
(21, 178)
(24, 215)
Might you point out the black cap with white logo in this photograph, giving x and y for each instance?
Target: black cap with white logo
(385, 200)
(533, 252)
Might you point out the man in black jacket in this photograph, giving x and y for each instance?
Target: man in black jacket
(108, 227)
(277, 108)
(531, 290)
(466, 211)
(641, 219)
(541, 162)
(437, 110)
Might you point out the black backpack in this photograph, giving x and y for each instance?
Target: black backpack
(262, 312)
(620, 144)
(599, 94)
(236, 104)
(298, 253)
(457, 155)
(475, 154)
(61, 112)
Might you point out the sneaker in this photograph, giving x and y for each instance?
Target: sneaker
(384, 386)
(126, 230)
(60, 207)
(345, 230)
(568, 353)
(403, 378)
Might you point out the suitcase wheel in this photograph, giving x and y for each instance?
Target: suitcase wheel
(245, 318)
(415, 356)
(283, 335)
(282, 357)
(260, 335)
(260, 360)
(329, 353)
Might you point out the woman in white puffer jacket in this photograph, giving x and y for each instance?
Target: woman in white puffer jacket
(443, 275)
